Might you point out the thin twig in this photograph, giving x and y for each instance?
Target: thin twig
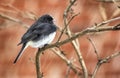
(96, 69)
(68, 72)
(68, 62)
(72, 18)
(104, 60)
(95, 49)
(81, 61)
(108, 0)
(106, 22)
(71, 3)
(65, 16)
(66, 26)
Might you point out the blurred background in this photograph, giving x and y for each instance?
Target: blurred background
(15, 15)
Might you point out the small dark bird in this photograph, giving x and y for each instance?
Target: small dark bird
(41, 33)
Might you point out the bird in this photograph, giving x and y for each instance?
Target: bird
(40, 33)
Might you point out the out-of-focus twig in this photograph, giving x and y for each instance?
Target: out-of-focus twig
(102, 10)
(102, 61)
(115, 2)
(14, 20)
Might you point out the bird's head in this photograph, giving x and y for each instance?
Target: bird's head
(46, 19)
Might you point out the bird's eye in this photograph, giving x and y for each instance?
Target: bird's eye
(50, 18)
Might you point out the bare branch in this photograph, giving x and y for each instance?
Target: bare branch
(72, 19)
(106, 22)
(86, 31)
(95, 49)
(108, 0)
(81, 61)
(95, 71)
(65, 17)
(69, 7)
(68, 62)
(37, 63)
(68, 72)
(74, 42)
(67, 25)
(104, 60)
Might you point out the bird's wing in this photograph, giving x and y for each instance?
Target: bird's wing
(38, 31)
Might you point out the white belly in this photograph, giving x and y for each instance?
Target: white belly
(42, 42)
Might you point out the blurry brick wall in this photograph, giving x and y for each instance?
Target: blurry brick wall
(52, 66)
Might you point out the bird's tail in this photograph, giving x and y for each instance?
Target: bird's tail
(20, 53)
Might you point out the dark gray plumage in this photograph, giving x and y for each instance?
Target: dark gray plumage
(42, 32)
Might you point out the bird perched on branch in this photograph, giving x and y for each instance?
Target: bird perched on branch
(41, 33)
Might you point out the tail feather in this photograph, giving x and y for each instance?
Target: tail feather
(20, 53)
(19, 43)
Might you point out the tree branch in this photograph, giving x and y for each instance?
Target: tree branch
(71, 3)
(95, 49)
(108, 0)
(74, 42)
(37, 63)
(68, 62)
(86, 31)
(102, 61)
(107, 21)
